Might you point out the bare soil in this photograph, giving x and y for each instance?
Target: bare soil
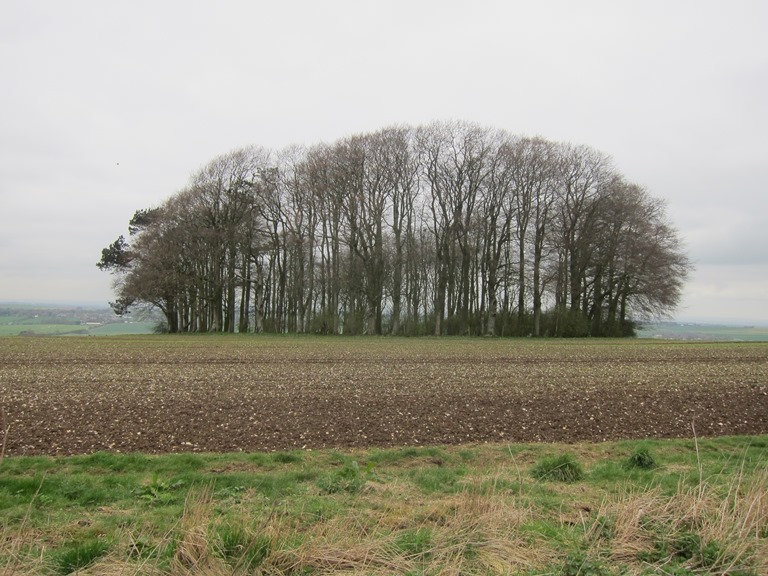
(63, 396)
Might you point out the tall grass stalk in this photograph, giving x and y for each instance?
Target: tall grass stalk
(12, 542)
(5, 429)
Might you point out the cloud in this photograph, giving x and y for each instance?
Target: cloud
(675, 92)
(725, 235)
(727, 293)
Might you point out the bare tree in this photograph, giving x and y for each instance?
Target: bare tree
(643, 265)
(582, 172)
(454, 157)
(533, 162)
(399, 177)
(496, 218)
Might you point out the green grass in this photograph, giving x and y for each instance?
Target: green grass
(702, 508)
(73, 556)
(562, 468)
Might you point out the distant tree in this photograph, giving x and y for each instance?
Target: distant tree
(455, 160)
(582, 173)
(643, 265)
(300, 220)
(323, 177)
(225, 190)
(116, 256)
(532, 174)
(143, 271)
(496, 215)
(143, 218)
(401, 172)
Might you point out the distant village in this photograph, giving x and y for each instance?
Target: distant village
(39, 319)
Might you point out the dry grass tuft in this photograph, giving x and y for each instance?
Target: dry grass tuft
(741, 522)
(114, 565)
(466, 532)
(711, 530)
(195, 551)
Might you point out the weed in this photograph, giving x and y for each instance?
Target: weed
(641, 458)
(233, 493)
(580, 565)
(685, 545)
(111, 462)
(282, 484)
(158, 489)
(699, 529)
(468, 455)
(563, 468)
(603, 528)
(408, 453)
(194, 553)
(83, 491)
(690, 548)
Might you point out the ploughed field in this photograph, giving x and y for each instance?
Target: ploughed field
(159, 394)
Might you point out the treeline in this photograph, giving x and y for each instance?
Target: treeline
(448, 228)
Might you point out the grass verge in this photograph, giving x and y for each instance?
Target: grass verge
(678, 507)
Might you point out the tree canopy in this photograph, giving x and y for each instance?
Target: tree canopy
(446, 228)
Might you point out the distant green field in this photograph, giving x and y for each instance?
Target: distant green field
(683, 331)
(113, 329)
(39, 320)
(41, 329)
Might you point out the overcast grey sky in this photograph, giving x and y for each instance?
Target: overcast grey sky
(107, 107)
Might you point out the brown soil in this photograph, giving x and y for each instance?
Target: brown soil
(74, 396)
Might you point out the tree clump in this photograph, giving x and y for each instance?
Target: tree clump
(447, 228)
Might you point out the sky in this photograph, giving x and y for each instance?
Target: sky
(107, 107)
